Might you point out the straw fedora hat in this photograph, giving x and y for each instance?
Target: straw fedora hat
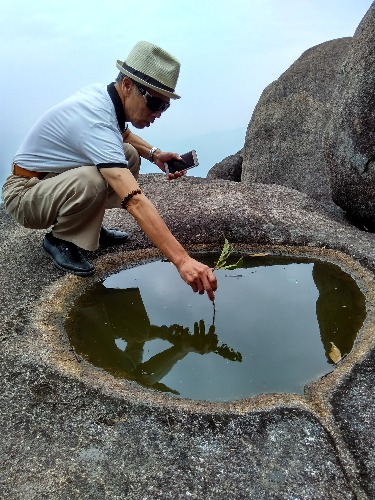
(153, 67)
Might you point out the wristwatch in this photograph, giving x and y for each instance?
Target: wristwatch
(151, 154)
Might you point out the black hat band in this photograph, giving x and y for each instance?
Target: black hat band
(146, 78)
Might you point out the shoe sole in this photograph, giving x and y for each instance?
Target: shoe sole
(77, 273)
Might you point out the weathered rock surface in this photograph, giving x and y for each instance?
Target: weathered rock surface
(350, 135)
(229, 169)
(283, 143)
(314, 128)
(69, 430)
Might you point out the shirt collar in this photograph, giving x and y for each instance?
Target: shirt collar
(119, 109)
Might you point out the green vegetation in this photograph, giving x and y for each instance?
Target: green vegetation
(225, 254)
(221, 263)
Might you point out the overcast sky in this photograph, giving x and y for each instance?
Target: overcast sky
(229, 52)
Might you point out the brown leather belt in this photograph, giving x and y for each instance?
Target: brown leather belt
(23, 172)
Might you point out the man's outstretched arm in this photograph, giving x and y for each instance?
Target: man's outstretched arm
(199, 276)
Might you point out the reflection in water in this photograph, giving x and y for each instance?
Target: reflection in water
(339, 304)
(288, 322)
(109, 314)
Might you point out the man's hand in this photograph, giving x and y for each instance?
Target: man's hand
(199, 276)
(161, 157)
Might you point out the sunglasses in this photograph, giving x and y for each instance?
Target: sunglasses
(152, 102)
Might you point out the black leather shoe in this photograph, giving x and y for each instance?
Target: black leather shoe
(110, 237)
(66, 256)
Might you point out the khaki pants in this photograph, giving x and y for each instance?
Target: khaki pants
(72, 202)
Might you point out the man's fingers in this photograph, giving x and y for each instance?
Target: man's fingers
(205, 286)
(211, 285)
(200, 277)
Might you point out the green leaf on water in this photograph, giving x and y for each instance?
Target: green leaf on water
(224, 256)
(229, 267)
(222, 264)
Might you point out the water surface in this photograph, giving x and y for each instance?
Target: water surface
(278, 324)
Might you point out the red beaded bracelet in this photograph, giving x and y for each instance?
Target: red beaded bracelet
(130, 195)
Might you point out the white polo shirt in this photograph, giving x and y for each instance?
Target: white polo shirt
(82, 130)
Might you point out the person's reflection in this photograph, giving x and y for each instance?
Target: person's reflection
(108, 317)
(339, 296)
